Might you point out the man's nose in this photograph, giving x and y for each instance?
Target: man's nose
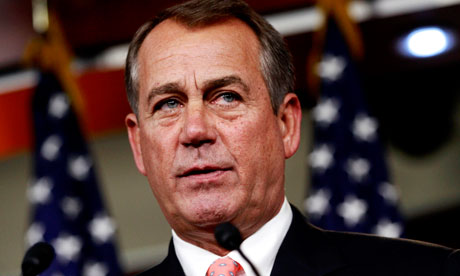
(198, 128)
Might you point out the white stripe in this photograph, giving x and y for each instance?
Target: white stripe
(296, 22)
(17, 81)
(287, 23)
(385, 8)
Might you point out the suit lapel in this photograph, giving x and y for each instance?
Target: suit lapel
(306, 250)
(171, 264)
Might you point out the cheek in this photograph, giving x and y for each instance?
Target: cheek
(157, 161)
(254, 143)
(238, 137)
(157, 153)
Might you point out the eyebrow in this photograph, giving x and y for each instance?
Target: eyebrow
(209, 85)
(163, 89)
(225, 81)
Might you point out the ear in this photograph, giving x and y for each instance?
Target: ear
(132, 125)
(289, 118)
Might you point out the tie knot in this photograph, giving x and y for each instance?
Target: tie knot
(225, 267)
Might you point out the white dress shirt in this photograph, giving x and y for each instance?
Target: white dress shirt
(261, 248)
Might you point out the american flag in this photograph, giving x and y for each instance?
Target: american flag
(350, 188)
(67, 207)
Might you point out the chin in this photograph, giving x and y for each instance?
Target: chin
(205, 213)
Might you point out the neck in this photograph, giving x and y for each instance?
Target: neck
(204, 238)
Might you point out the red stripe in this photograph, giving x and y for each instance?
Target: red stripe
(104, 97)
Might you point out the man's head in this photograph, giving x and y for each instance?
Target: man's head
(274, 58)
(206, 134)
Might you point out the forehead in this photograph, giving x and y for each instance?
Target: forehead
(172, 44)
(171, 31)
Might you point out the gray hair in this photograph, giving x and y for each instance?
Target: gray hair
(275, 60)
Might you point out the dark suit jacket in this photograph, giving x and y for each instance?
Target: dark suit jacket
(310, 251)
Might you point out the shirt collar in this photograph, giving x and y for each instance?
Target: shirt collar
(261, 247)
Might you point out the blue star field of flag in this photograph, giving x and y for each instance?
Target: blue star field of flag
(350, 188)
(67, 207)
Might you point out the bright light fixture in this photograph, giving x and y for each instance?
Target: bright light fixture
(426, 42)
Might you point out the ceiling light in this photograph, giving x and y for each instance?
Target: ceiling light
(426, 42)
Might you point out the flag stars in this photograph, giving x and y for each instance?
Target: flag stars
(67, 247)
(348, 171)
(358, 168)
(95, 269)
(331, 67)
(58, 105)
(50, 148)
(326, 112)
(79, 167)
(321, 158)
(64, 194)
(71, 206)
(34, 234)
(365, 128)
(40, 191)
(102, 228)
(386, 228)
(352, 210)
(317, 204)
(389, 193)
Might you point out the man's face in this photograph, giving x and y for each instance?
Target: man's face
(206, 136)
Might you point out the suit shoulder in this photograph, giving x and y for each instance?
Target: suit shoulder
(156, 270)
(365, 243)
(169, 266)
(398, 254)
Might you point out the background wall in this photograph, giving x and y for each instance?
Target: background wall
(412, 98)
(427, 184)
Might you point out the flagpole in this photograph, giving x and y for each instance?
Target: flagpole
(350, 188)
(40, 17)
(338, 10)
(50, 51)
(68, 209)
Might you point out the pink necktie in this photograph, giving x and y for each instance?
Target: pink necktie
(225, 267)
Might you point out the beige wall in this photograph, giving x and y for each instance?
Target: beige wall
(426, 184)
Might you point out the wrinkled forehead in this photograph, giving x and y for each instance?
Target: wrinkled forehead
(225, 43)
(172, 33)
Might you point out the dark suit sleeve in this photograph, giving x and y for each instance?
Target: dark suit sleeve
(452, 266)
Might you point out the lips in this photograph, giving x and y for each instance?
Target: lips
(203, 171)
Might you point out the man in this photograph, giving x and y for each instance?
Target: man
(213, 123)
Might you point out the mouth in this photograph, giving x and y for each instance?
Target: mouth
(204, 171)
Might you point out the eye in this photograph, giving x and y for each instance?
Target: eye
(167, 104)
(171, 103)
(227, 98)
